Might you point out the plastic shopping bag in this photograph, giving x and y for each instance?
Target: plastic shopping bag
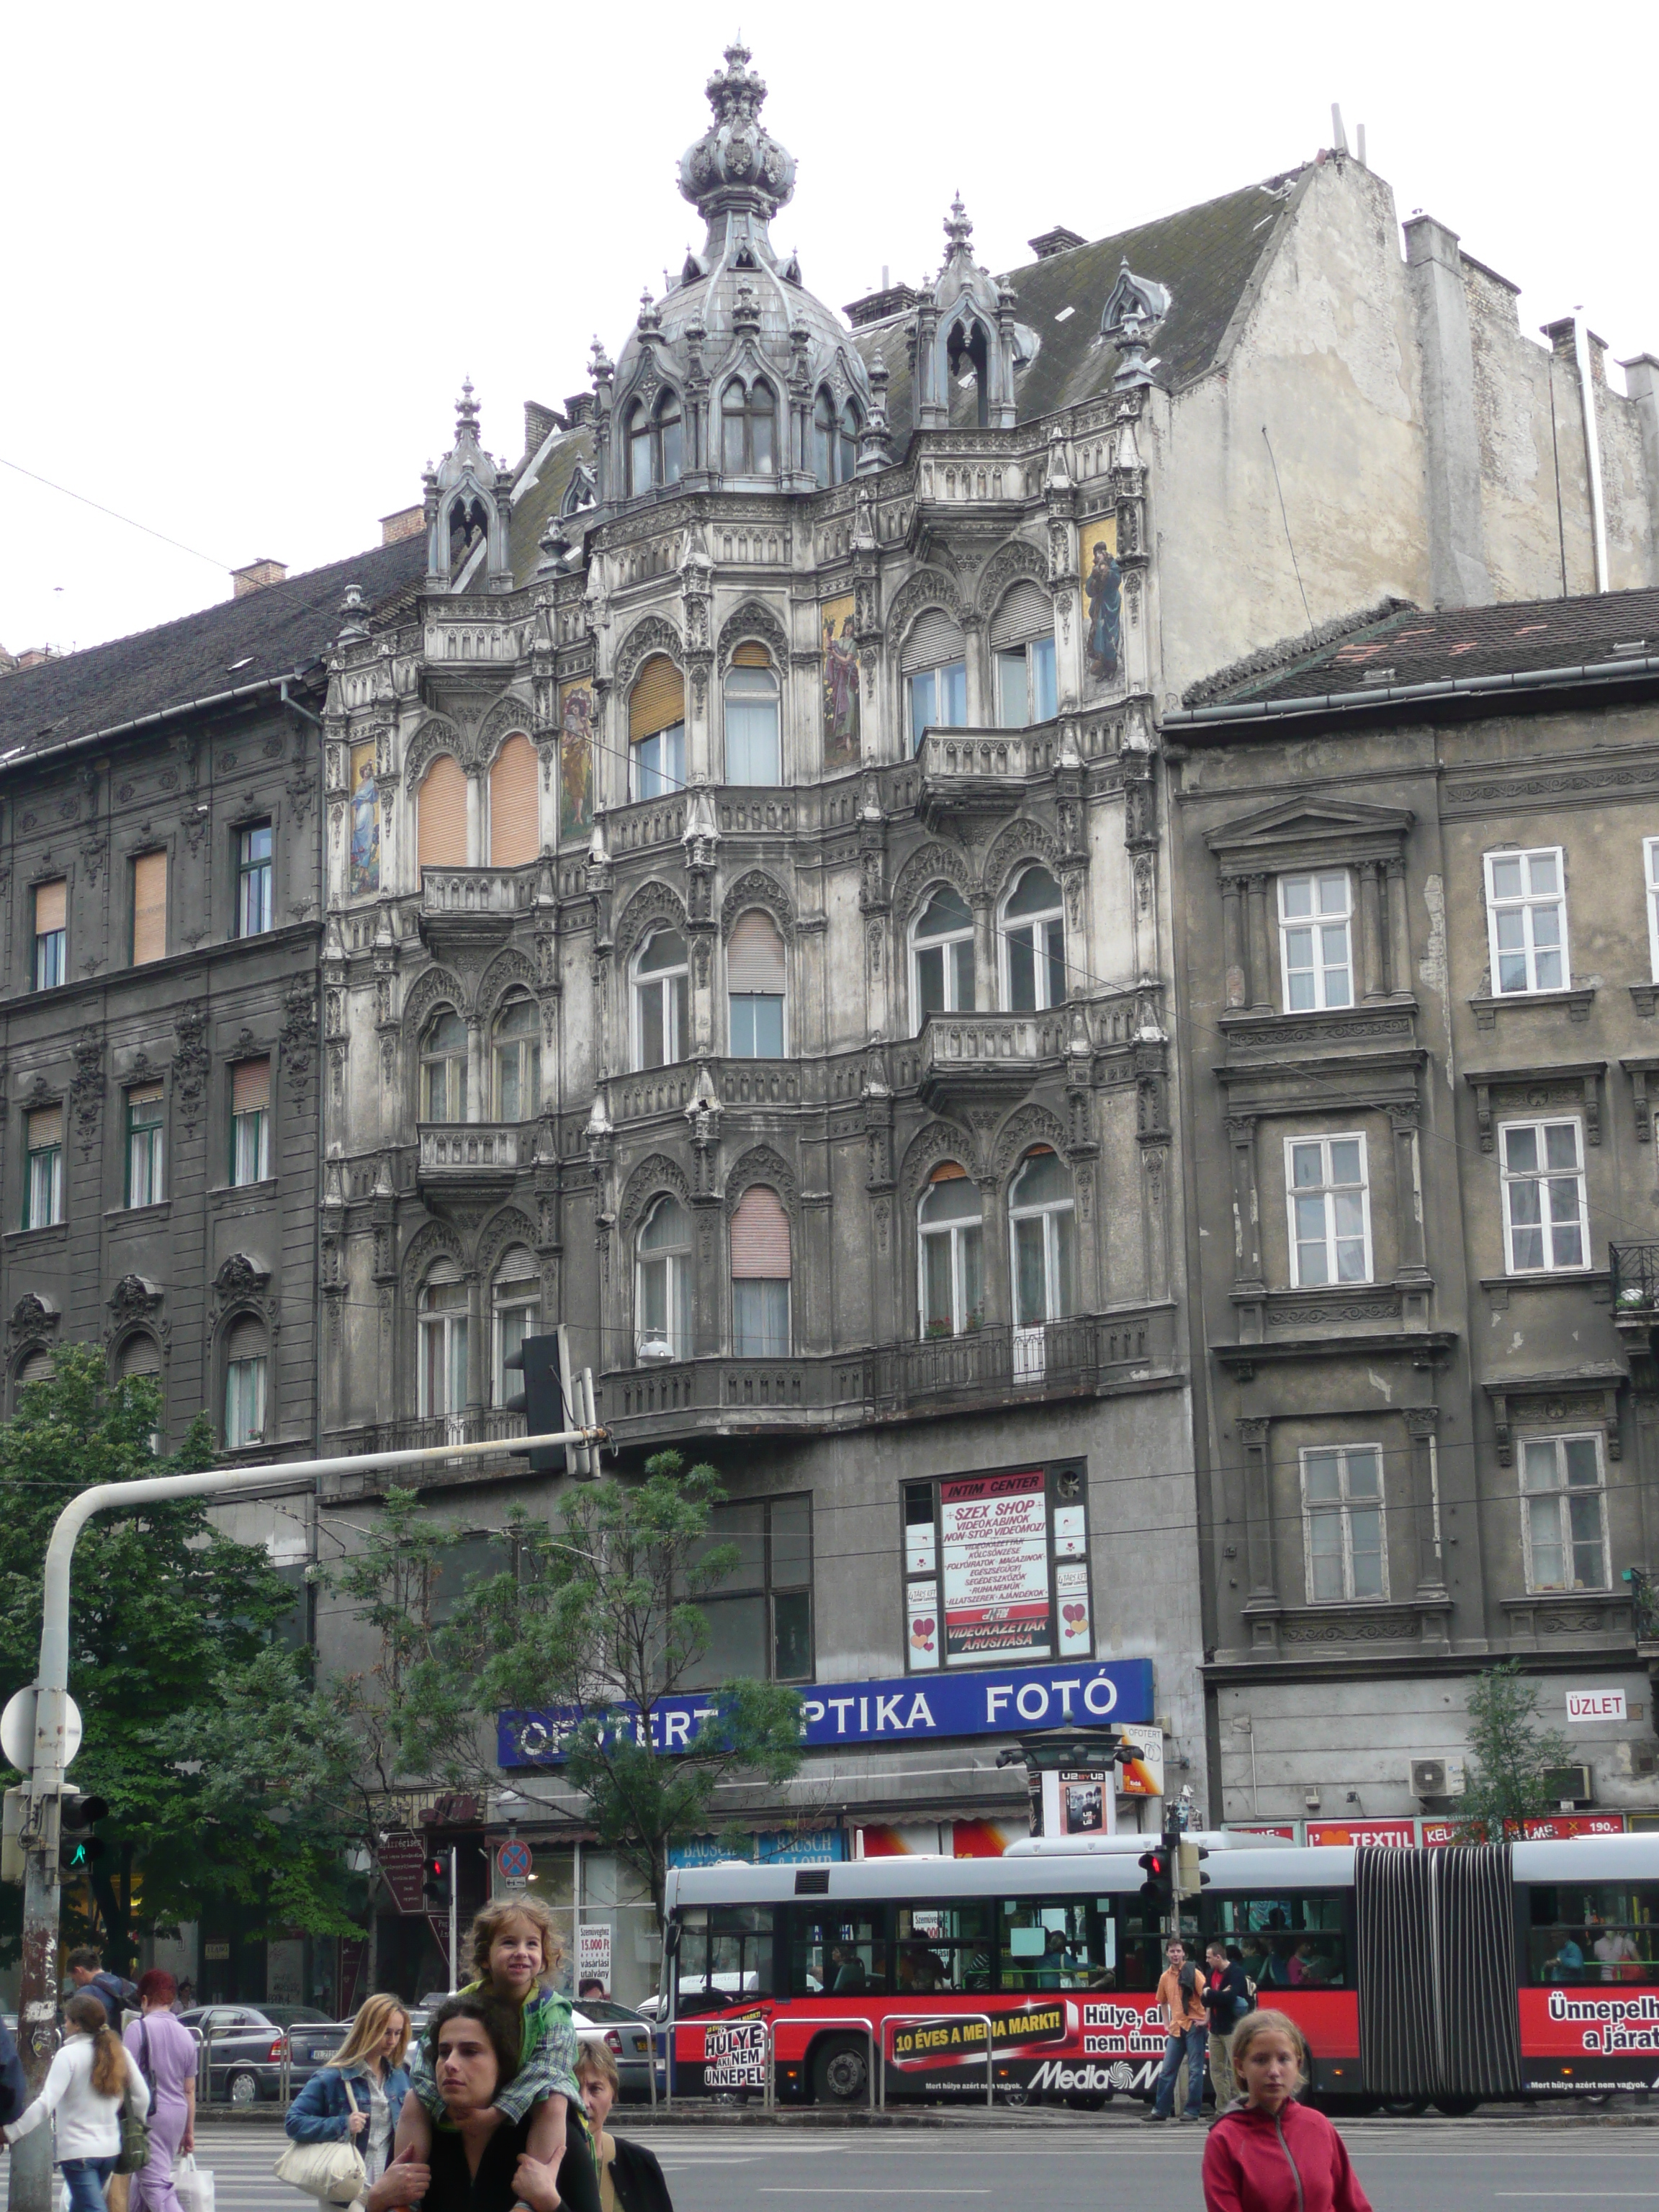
(193, 2183)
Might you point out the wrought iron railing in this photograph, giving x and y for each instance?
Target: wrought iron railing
(1635, 1276)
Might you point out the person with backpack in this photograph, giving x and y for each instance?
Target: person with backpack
(88, 1971)
(1226, 1999)
(1181, 2000)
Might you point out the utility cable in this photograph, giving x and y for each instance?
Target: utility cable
(177, 543)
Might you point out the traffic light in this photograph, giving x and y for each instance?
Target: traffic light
(77, 1845)
(1158, 1890)
(434, 1886)
(551, 1400)
(1188, 1879)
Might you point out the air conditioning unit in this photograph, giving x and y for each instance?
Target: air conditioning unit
(1437, 1777)
(1638, 1757)
(1569, 1785)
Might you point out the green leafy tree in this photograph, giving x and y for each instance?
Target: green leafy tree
(605, 1617)
(171, 1629)
(1510, 1756)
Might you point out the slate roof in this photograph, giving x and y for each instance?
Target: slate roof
(274, 631)
(1207, 256)
(1376, 659)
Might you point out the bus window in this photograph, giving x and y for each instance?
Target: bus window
(1593, 1932)
(842, 1957)
(1133, 1945)
(1043, 1943)
(725, 1957)
(1286, 1943)
(943, 1946)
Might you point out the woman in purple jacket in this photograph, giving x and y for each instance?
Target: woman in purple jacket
(164, 2051)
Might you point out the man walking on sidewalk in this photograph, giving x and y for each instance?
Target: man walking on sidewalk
(1227, 1999)
(1180, 2001)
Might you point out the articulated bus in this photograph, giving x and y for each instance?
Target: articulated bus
(1454, 1975)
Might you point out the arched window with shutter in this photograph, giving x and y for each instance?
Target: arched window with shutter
(36, 1368)
(751, 697)
(1023, 643)
(516, 1297)
(441, 814)
(656, 729)
(755, 987)
(952, 1259)
(760, 1276)
(515, 827)
(246, 1358)
(935, 662)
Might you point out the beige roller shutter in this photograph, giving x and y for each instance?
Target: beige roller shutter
(754, 959)
(750, 655)
(443, 809)
(36, 1368)
(250, 1086)
(514, 831)
(934, 641)
(1026, 612)
(149, 908)
(247, 1339)
(657, 698)
(141, 1355)
(45, 1126)
(51, 906)
(760, 1237)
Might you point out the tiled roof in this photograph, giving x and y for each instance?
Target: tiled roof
(1407, 648)
(240, 642)
(1206, 256)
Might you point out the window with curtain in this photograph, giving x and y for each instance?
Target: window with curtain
(753, 754)
(246, 1363)
(43, 1176)
(1342, 1522)
(51, 935)
(1042, 1239)
(656, 729)
(149, 908)
(760, 1276)
(1022, 646)
(441, 814)
(933, 660)
(755, 987)
(516, 1302)
(443, 1068)
(661, 1000)
(254, 879)
(514, 823)
(662, 1314)
(250, 1120)
(145, 1183)
(942, 955)
(951, 1268)
(1033, 943)
(749, 414)
(443, 1332)
(518, 1053)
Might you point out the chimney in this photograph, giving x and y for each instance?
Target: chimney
(257, 574)
(407, 522)
(35, 656)
(1057, 240)
(539, 424)
(578, 409)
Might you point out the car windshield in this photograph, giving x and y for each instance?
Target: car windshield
(291, 2016)
(605, 2008)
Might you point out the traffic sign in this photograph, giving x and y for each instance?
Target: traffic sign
(17, 1729)
(512, 1863)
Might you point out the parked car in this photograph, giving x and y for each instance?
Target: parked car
(245, 2048)
(627, 2033)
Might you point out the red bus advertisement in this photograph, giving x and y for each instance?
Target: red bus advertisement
(1451, 1975)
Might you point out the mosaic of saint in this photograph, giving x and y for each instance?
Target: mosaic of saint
(365, 872)
(1102, 599)
(576, 759)
(840, 684)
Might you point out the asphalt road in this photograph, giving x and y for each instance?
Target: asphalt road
(1463, 2165)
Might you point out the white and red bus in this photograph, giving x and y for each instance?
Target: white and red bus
(1454, 1975)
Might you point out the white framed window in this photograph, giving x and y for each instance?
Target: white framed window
(752, 749)
(1033, 932)
(1342, 1522)
(1042, 1240)
(246, 1361)
(1563, 1513)
(516, 1300)
(662, 1290)
(443, 1327)
(1315, 939)
(661, 999)
(1330, 1210)
(1650, 875)
(250, 1120)
(1545, 1221)
(443, 1068)
(1025, 684)
(950, 1238)
(1526, 918)
(938, 699)
(942, 955)
(657, 764)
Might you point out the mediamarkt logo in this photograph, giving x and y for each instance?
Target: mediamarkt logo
(1055, 2076)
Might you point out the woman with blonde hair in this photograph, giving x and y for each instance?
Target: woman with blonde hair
(82, 2095)
(1267, 2153)
(360, 2093)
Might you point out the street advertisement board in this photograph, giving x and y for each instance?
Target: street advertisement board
(734, 2054)
(401, 1855)
(593, 1955)
(1597, 2038)
(993, 1531)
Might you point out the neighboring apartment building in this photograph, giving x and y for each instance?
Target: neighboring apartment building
(748, 928)
(1417, 952)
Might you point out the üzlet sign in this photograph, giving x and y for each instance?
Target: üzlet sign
(1596, 1706)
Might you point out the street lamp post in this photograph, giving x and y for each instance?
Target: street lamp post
(37, 2011)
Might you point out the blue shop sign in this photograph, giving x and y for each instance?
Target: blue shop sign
(772, 1847)
(912, 1709)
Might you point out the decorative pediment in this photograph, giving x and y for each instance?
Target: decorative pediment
(1301, 833)
(134, 1298)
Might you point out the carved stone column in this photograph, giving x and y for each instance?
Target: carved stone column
(1261, 962)
(478, 841)
(1408, 1195)
(479, 1100)
(1372, 982)
(985, 953)
(1400, 948)
(477, 1347)
(1232, 942)
(1258, 1510)
(1247, 1205)
(974, 635)
(1421, 1422)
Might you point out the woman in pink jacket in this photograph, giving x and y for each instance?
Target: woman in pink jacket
(1267, 2153)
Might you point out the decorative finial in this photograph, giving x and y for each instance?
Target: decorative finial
(958, 228)
(466, 412)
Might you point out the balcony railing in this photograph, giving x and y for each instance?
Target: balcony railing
(1635, 1270)
(467, 1148)
(477, 891)
(967, 1055)
(959, 755)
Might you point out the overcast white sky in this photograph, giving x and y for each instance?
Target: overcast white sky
(249, 254)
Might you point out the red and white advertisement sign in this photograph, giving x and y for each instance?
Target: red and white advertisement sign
(1401, 1832)
(1556, 1827)
(1596, 1706)
(1284, 1833)
(995, 1531)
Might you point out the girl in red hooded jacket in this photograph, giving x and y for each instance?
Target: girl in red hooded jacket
(1267, 2153)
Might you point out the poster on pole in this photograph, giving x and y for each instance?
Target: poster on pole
(593, 1955)
(994, 1532)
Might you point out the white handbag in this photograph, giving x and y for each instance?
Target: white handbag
(193, 2183)
(333, 2173)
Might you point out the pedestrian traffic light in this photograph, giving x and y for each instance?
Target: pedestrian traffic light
(435, 1886)
(1189, 1880)
(78, 1846)
(1158, 1890)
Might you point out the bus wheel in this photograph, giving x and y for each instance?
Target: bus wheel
(1015, 2097)
(1403, 2108)
(1089, 2100)
(1456, 2108)
(841, 2071)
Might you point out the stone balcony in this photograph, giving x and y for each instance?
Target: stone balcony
(961, 1057)
(982, 773)
(470, 1163)
(475, 1425)
(473, 909)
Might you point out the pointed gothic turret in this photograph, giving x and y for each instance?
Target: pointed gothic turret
(966, 326)
(469, 505)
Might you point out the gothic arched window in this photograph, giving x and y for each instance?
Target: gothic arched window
(662, 1310)
(443, 1325)
(951, 1268)
(942, 956)
(516, 1299)
(671, 440)
(835, 439)
(518, 1062)
(1033, 931)
(754, 971)
(760, 1276)
(850, 426)
(749, 416)
(639, 476)
(1022, 646)
(443, 1068)
(968, 352)
(514, 813)
(661, 1009)
(1040, 1238)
